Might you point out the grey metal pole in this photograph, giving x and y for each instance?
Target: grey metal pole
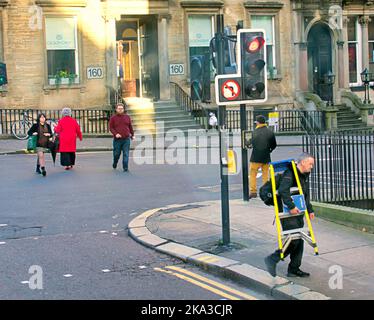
(244, 127)
(225, 208)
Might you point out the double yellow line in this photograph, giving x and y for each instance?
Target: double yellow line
(208, 284)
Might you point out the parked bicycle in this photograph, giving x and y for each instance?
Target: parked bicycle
(22, 126)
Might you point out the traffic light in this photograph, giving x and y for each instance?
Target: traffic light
(229, 58)
(3, 75)
(200, 78)
(196, 65)
(252, 65)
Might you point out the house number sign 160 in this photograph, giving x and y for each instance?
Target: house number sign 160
(95, 72)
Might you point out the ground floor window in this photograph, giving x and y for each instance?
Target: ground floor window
(353, 50)
(371, 44)
(200, 32)
(62, 50)
(266, 22)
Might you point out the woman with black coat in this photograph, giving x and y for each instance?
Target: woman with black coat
(43, 130)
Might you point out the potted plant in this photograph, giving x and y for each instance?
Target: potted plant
(62, 77)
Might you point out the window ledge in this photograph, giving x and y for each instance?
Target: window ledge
(3, 92)
(276, 77)
(263, 5)
(48, 88)
(61, 3)
(202, 4)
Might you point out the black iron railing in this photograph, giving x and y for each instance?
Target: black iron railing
(289, 120)
(344, 168)
(91, 121)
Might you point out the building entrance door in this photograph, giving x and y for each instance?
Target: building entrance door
(137, 57)
(319, 60)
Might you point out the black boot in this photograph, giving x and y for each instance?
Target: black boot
(44, 173)
(38, 169)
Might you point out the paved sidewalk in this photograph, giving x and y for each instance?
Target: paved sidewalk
(8, 146)
(198, 227)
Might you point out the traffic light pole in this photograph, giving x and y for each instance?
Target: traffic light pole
(243, 128)
(225, 208)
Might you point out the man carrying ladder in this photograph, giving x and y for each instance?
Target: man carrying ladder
(295, 219)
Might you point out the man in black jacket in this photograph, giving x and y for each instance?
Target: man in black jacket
(305, 164)
(263, 143)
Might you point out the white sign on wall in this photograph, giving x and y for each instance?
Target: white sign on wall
(95, 72)
(176, 69)
(60, 33)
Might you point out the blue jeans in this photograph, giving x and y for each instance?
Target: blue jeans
(121, 145)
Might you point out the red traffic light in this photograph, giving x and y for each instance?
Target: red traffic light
(254, 44)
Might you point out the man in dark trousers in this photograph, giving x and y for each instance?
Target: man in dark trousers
(305, 163)
(121, 128)
(263, 143)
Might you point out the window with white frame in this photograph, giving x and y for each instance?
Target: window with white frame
(266, 22)
(200, 32)
(62, 50)
(354, 60)
(371, 44)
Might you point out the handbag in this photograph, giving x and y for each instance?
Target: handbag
(31, 143)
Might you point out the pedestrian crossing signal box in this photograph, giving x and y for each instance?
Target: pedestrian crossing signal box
(3, 74)
(249, 85)
(247, 139)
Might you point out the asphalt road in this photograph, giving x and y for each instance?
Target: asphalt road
(72, 224)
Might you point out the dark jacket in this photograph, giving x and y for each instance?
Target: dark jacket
(263, 142)
(288, 181)
(42, 140)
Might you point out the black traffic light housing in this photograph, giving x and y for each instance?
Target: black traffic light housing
(253, 65)
(249, 84)
(3, 74)
(196, 65)
(200, 78)
(230, 65)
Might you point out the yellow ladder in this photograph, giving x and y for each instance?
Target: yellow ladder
(285, 237)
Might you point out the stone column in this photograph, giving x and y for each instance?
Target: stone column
(301, 55)
(364, 21)
(163, 57)
(110, 55)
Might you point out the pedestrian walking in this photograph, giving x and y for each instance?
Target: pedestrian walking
(68, 131)
(305, 163)
(121, 128)
(263, 143)
(43, 131)
(213, 121)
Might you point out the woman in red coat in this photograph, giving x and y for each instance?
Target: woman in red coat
(68, 130)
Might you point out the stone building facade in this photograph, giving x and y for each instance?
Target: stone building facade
(79, 52)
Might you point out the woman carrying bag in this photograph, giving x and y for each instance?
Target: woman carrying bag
(43, 131)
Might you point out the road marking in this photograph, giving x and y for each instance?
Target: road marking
(212, 282)
(3, 225)
(208, 259)
(2, 242)
(197, 283)
(68, 275)
(105, 270)
(25, 282)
